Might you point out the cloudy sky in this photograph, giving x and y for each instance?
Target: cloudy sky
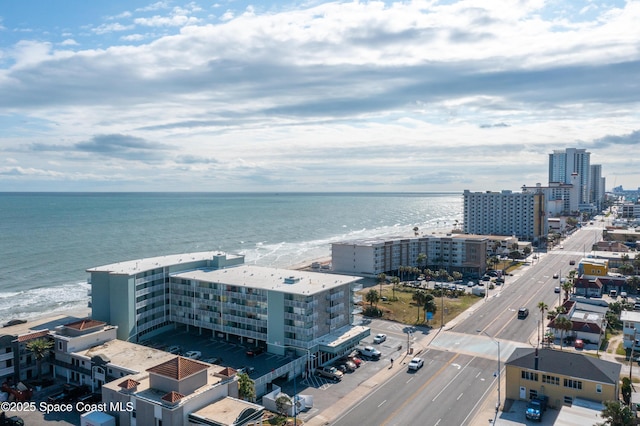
(114, 95)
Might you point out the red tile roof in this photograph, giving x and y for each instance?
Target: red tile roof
(228, 371)
(172, 397)
(33, 335)
(178, 368)
(85, 324)
(129, 384)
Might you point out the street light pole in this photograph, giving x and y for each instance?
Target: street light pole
(499, 376)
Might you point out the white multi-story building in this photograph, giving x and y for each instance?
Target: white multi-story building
(563, 163)
(560, 198)
(597, 186)
(505, 213)
(218, 294)
(369, 257)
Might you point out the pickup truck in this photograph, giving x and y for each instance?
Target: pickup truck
(330, 373)
(369, 352)
(535, 408)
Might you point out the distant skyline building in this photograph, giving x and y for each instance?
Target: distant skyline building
(505, 213)
(563, 163)
(597, 186)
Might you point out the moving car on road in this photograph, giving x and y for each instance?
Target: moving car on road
(415, 364)
(523, 313)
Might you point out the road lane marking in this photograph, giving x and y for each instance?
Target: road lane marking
(382, 403)
(458, 398)
(451, 381)
(409, 380)
(415, 395)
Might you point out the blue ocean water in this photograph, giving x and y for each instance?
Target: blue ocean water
(48, 240)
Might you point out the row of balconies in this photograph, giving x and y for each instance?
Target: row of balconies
(151, 312)
(149, 278)
(302, 331)
(298, 304)
(335, 296)
(300, 317)
(151, 300)
(334, 309)
(6, 356)
(337, 321)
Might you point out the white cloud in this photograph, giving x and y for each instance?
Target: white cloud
(69, 42)
(458, 94)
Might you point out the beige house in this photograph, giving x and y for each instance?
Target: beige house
(562, 376)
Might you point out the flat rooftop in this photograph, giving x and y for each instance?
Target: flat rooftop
(381, 240)
(130, 356)
(273, 279)
(131, 267)
(226, 410)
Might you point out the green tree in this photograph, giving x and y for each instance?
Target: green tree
(372, 297)
(430, 305)
(543, 307)
(617, 414)
(382, 278)
(626, 268)
(283, 405)
(421, 259)
(40, 348)
(567, 287)
(563, 324)
(246, 387)
(394, 282)
(626, 390)
(419, 297)
(633, 283)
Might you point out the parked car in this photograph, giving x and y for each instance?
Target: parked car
(523, 313)
(369, 352)
(470, 284)
(415, 364)
(379, 338)
(174, 349)
(357, 361)
(536, 407)
(556, 289)
(14, 322)
(572, 262)
(193, 354)
(330, 373)
(578, 344)
(255, 351)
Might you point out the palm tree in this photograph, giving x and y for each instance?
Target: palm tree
(419, 297)
(40, 349)
(394, 282)
(372, 297)
(543, 307)
(567, 286)
(382, 277)
(430, 305)
(420, 260)
(563, 324)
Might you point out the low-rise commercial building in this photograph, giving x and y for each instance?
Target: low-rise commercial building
(562, 376)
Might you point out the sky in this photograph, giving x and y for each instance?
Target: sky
(414, 96)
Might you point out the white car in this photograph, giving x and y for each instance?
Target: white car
(193, 354)
(416, 364)
(379, 338)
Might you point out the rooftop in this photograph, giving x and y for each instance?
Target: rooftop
(566, 364)
(128, 355)
(131, 267)
(85, 324)
(178, 368)
(259, 277)
(225, 411)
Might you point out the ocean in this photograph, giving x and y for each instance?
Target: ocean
(48, 240)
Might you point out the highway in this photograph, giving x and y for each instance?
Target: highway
(461, 362)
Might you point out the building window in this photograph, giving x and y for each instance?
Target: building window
(573, 384)
(598, 388)
(552, 380)
(528, 375)
(568, 400)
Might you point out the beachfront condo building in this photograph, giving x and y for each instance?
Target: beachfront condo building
(564, 163)
(134, 295)
(216, 293)
(521, 214)
(466, 254)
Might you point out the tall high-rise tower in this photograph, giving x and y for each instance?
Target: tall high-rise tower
(562, 164)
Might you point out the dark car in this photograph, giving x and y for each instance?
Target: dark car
(255, 351)
(14, 322)
(523, 313)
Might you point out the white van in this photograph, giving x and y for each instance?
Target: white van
(613, 293)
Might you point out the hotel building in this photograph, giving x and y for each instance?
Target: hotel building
(215, 293)
(466, 254)
(564, 163)
(505, 213)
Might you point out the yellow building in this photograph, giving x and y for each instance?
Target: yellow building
(562, 376)
(593, 267)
